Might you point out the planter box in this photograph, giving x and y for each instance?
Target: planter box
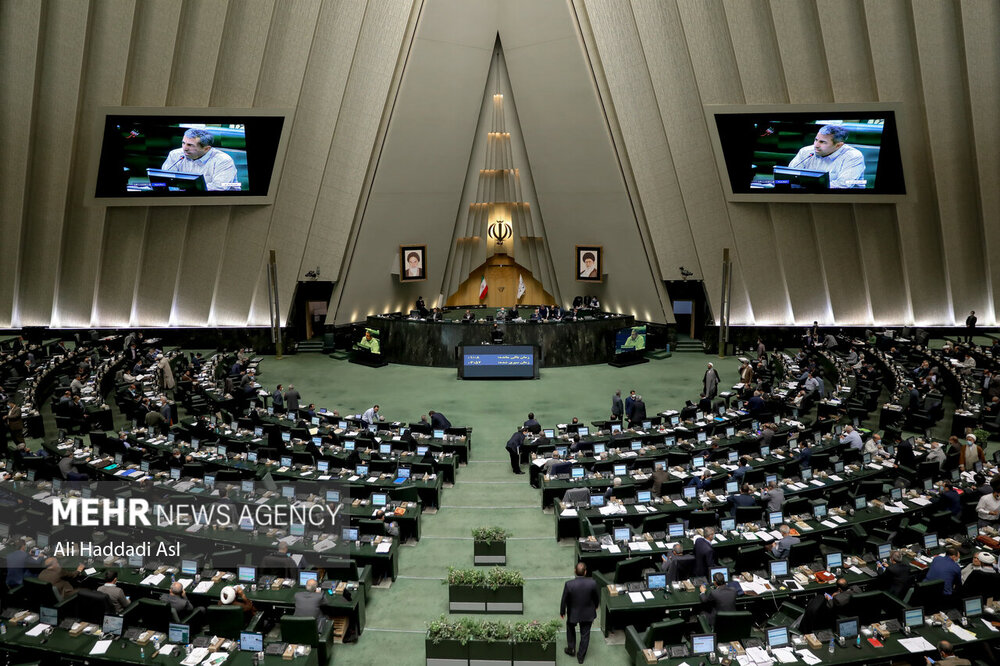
(483, 653)
(446, 653)
(465, 599)
(533, 654)
(489, 554)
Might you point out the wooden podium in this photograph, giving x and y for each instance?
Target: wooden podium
(502, 273)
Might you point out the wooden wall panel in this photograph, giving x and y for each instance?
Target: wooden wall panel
(981, 35)
(20, 26)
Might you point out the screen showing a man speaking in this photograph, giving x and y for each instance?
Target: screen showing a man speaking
(811, 153)
(164, 156)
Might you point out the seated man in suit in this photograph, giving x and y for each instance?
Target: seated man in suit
(704, 403)
(118, 599)
(177, 598)
(896, 578)
(744, 498)
(781, 548)
(532, 425)
(307, 601)
(675, 563)
(59, 579)
(722, 598)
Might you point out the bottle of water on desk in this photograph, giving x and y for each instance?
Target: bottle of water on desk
(831, 645)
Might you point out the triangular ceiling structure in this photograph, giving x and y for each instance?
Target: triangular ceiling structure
(428, 155)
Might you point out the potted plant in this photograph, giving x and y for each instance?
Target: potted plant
(490, 643)
(497, 591)
(446, 642)
(489, 546)
(535, 641)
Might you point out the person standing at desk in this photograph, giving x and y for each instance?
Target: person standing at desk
(580, 599)
(532, 425)
(945, 567)
(514, 449)
(371, 415)
(278, 399)
(711, 381)
(704, 553)
(638, 413)
(722, 598)
(438, 420)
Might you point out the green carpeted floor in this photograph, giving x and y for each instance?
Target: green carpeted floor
(485, 492)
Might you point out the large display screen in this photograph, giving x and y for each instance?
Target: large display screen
(498, 362)
(193, 156)
(831, 152)
(632, 339)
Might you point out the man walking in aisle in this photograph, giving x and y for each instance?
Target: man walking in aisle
(579, 599)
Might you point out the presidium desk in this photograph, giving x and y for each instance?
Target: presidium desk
(586, 341)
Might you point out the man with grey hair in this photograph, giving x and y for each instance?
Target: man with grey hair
(197, 154)
(829, 153)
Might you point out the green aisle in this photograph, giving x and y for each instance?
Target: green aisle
(486, 492)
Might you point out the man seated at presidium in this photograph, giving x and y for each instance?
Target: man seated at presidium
(197, 155)
(829, 153)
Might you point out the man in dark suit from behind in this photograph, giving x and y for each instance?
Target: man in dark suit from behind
(896, 578)
(638, 414)
(704, 553)
(438, 420)
(722, 598)
(580, 599)
(532, 425)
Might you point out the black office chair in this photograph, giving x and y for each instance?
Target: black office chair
(225, 621)
(669, 632)
(803, 552)
(304, 631)
(228, 560)
(787, 615)
(703, 519)
(630, 570)
(928, 594)
(91, 606)
(150, 614)
(35, 592)
(748, 514)
(729, 625)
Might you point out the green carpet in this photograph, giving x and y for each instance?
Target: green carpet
(485, 492)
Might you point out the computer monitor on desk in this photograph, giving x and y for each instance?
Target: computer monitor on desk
(162, 180)
(703, 643)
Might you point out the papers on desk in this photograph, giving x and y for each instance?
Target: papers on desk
(962, 632)
(809, 657)
(680, 503)
(152, 579)
(204, 586)
(636, 597)
(639, 546)
(874, 466)
(834, 477)
(37, 629)
(917, 644)
(90, 572)
(920, 501)
(100, 647)
(353, 478)
(611, 548)
(893, 509)
(838, 519)
(756, 655)
(989, 625)
(185, 582)
(828, 523)
(785, 655)
(569, 513)
(817, 482)
(383, 547)
(325, 544)
(196, 656)
(765, 537)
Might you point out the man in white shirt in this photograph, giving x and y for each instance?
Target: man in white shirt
(829, 153)
(851, 436)
(988, 508)
(197, 155)
(371, 416)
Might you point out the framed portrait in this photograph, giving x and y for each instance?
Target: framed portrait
(589, 263)
(412, 263)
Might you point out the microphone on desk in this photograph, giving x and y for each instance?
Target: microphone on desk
(179, 160)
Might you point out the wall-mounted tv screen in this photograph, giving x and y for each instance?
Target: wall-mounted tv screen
(188, 156)
(632, 339)
(834, 152)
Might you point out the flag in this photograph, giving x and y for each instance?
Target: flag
(520, 286)
(483, 288)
